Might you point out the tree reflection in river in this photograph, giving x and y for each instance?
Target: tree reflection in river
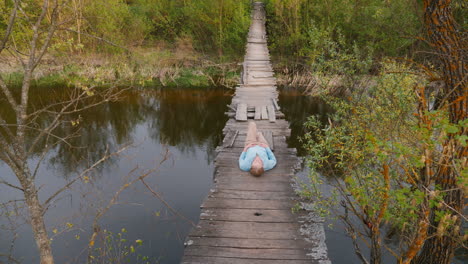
(297, 108)
(182, 118)
(189, 118)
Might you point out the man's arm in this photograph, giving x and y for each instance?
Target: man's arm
(271, 162)
(245, 161)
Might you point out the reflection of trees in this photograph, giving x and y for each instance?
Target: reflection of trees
(187, 118)
(297, 108)
(183, 118)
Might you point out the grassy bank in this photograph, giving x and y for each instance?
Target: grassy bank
(149, 67)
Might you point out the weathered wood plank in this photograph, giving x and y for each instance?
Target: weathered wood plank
(251, 195)
(247, 204)
(258, 113)
(271, 113)
(233, 139)
(275, 103)
(261, 253)
(222, 260)
(269, 138)
(273, 187)
(247, 242)
(264, 112)
(247, 230)
(241, 112)
(249, 215)
(230, 138)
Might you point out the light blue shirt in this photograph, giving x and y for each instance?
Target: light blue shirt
(246, 158)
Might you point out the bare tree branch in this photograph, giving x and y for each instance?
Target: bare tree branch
(11, 185)
(96, 228)
(50, 34)
(167, 204)
(10, 25)
(84, 173)
(8, 94)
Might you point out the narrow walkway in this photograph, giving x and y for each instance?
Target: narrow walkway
(248, 219)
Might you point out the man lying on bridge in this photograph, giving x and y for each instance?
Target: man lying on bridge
(257, 156)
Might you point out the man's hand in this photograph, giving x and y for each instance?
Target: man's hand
(255, 144)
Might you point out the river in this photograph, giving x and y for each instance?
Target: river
(185, 123)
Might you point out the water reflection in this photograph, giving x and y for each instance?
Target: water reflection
(188, 118)
(189, 122)
(297, 107)
(182, 118)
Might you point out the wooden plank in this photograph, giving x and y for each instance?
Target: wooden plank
(247, 204)
(227, 138)
(271, 113)
(251, 195)
(281, 170)
(247, 242)
(249, 215)
(252, 115)
(247, 227)
(260, 124)
(269, 138)
(277, 131)
(264, 112)
(241, 113)
(233, 139)
(238, 177)
(261, 253)
(258, 113)
(275, 103)
(245, 233)
(273, 187)
(222, 260)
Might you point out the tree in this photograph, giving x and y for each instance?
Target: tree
(401, 156)
(446, 39)
(35, 24)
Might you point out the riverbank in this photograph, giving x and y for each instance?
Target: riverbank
(147, 67)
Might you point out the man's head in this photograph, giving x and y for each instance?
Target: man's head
(257, 167)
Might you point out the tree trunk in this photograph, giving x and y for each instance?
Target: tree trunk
(36, 212)
(376, 252)
(447, 42)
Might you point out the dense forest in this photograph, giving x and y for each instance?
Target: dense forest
(394, 72)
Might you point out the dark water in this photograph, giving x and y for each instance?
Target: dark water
(297, 108)
(185, 122)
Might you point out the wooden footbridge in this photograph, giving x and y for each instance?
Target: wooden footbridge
(248, 219)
